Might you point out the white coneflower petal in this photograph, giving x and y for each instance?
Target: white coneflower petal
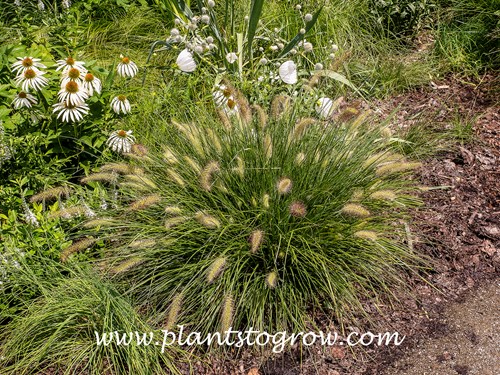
(24, 99)
(32, 78)
(121, 141)
(91, 83)
(69, 63)
(120, 104)
(288, 72)
(71, 112)
(324, 107)
(185, 61)
(26, 62)
(73, 93)
(127, 68)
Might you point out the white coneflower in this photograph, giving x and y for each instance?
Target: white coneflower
(71, 112)
(72, 74)
(32, 78)
(120, 104)
(225, 100)
(23, 63)
(91, 83)
(121, 141)
(231, 57)
(69, 63)
(72, 93)
(324, 107)
(288, 72)
(185, 61)
(23, 99)
(127, 68)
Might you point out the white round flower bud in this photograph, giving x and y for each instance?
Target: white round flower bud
(308, 47)
(177, 21)
(198, 49)
(331, 56)
(210, 39)
(298, 7)
(281, 45)
(335, 48)
(211, 3)
(263, 61)
(308, 17)
(318, 66)
(174, 32)
(211, 46)
(273, 48)
(302, 31)
(205, 19)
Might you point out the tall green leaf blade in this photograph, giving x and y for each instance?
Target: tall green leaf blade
(255, 13)
(300, 36)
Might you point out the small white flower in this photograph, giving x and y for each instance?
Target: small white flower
(281, 45)
(335, 48)
(30, 217)
(70, 112)
(192, 26)
(211, 3)
(73, 93)
(185, 61)
(198, 49)
(41, 5)
(121, 141)
(70, 63)
(308, 17)
(23, 99)
(324, 107)
(273, 48)
(263, 61)
(88, 212)
(17, 3)
(66, 4)
(308, 47)
(205, 19)
(331, 56)
(174, 32)
(318, 66)
(25, 63)
(302, 31)
(91, 83)
(231, 57)
(127, 68)
(211, 46)
(120, 104)
(177, 21)
(32, 78)
(210, 39)
(298, 7)
(288, 72)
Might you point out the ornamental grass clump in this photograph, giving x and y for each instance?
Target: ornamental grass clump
(254, 238)
(59, 331)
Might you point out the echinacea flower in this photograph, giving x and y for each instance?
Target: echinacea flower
(32, 78)
(72, 74)
(71, 112)
(127, 68)
(25, 63)
(73, 93)
(69, 63)
(121, 141)
(231, 57)
(24, 99)
(225, 100)
(288, 72)
(120, 104)
(91, 83)
(185, 61)
(324, 107)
